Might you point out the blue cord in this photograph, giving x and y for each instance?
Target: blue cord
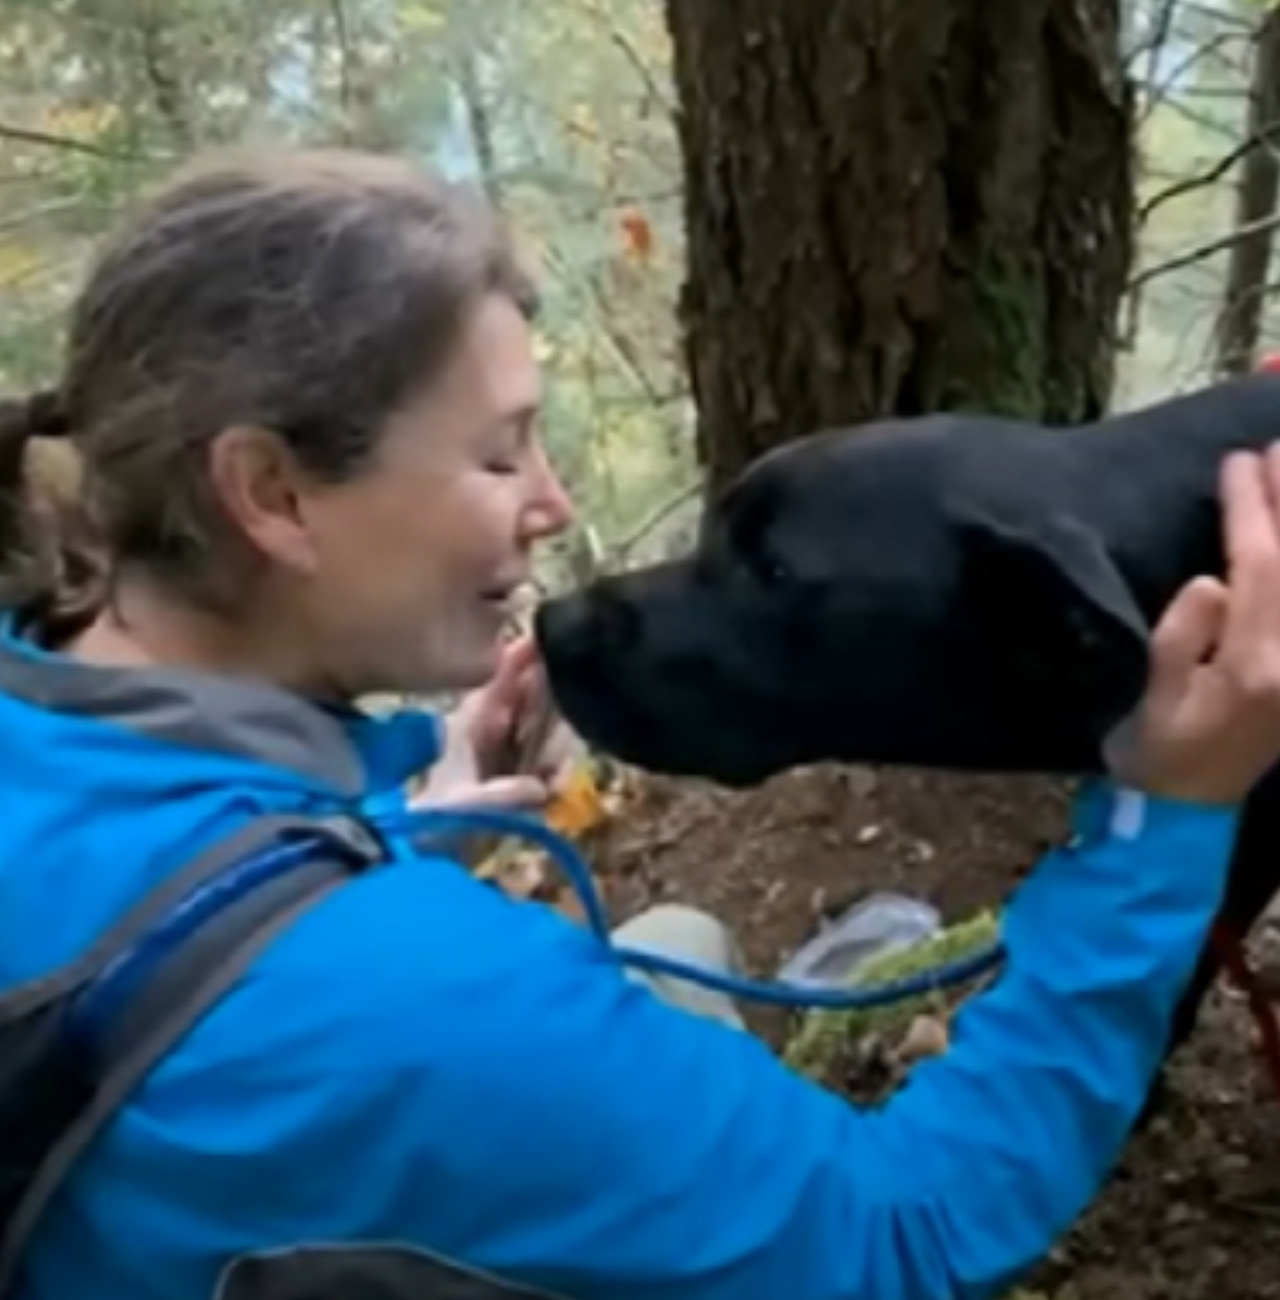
(776, 992)
(779, 993)
(122, 975)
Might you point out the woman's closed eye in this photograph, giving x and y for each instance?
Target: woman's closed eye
(508, 450)
(504, 455)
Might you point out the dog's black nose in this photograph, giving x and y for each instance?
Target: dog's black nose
(587, 625)
(558, 625)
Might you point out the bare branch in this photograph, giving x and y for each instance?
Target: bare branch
(1211, 176)
(19, 179)
(1210, 125)
(1156, 92)
(655, 91)
(1202, 252)
(621, 346)
(1214, 92)
(1224, 17)
(655, 519)
(48, 140)
(342, 35)
(1240, 317)
(160, 63)
(361, 121)
(37, 215)
(1152, 47)
(480, 125)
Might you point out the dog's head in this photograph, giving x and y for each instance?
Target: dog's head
(854, 597)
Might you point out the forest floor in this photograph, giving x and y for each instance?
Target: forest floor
(1194, 1211)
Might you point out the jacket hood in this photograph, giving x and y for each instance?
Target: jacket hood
(110, 777)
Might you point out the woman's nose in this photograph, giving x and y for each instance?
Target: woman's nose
(550, 510)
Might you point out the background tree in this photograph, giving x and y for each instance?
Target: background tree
(1249, 260)
(894, 206)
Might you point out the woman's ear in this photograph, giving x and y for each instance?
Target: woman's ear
(260, 486)
(1056, 612)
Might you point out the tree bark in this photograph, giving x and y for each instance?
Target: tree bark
(898, 206)
(1240, 321)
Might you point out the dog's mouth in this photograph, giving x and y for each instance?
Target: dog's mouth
(608, 719)
(669, 741)
(676, 712)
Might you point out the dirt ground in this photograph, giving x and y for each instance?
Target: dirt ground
(1194, 1212)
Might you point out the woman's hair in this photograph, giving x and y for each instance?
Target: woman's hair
(311, 293)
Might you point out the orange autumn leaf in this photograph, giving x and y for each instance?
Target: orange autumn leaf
(578, 805)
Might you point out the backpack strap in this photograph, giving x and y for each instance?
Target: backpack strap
(170, 994)
(204, 867)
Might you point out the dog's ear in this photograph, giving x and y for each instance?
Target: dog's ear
(1052, 611)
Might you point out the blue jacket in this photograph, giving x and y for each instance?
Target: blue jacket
(424, 1089)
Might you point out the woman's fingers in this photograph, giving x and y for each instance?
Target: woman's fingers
(1252, 544)
(1187, 634)
(519, 793)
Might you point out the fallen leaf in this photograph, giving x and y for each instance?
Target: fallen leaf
(579, 805)
(518, 875)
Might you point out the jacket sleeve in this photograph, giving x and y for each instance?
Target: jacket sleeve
(578, 1136)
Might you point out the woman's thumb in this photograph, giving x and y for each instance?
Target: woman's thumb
(1186, 635)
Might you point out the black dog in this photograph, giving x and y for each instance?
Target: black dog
(956, 592)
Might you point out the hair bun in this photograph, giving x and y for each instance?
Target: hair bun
(45, 415)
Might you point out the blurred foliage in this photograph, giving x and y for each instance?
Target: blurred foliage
(563, 110)
(1191, 64)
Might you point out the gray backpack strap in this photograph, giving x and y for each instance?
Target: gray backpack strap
(187, 982)
(205, 866)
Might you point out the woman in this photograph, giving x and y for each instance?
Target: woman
(303, 393)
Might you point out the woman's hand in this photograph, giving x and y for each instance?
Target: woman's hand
(1209, 725)
(486, 760)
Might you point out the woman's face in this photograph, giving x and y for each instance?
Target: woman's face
(402, 578)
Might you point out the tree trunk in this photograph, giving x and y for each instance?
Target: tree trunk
(897, 206)
(161, 61)
(1240, 321)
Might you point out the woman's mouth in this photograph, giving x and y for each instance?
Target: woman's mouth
(504, 595)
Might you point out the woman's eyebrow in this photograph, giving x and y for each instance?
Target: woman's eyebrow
(520, 417)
